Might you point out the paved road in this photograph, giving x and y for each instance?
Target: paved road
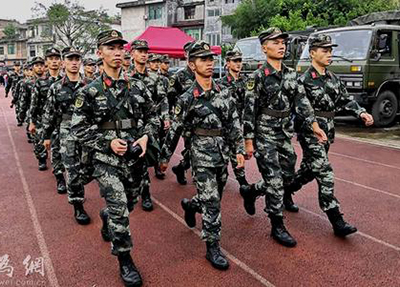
(38, 222)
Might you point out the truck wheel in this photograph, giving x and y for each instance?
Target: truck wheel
(385, 108)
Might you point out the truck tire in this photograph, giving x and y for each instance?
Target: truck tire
(385, 109)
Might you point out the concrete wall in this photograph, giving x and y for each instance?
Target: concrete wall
(132, 22)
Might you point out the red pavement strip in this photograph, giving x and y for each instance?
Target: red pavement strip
(39, 222)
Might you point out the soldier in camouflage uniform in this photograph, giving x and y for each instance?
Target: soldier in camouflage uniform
(271, 95)
(327, 95)
(13, 78)
(164, 67)
(210, 114)
(26, 91)
(27, 72)
(100, 68)
(57, 120)
(237, 83)
(154, 62)
(179, 83)
(114, 115)
(89, 67)
(156, 86)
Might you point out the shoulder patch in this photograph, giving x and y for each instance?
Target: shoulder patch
(171, 82)
(250, 84)
(178, 109)
(92, 91)
(79, 101)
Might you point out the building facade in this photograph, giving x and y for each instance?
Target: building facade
(12, 47)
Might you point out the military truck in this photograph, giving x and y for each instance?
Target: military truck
(367, 59)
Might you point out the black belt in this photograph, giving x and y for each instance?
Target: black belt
(119, 125)
(325, 114)
(208, 133)
(67, 117)
(275, 113)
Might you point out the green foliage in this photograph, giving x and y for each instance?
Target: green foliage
(10, 31)
(72, 24)
(253, 16)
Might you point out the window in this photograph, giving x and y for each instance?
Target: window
(11, 49)
(155, 12)
(213, 12)
(384, 43)
(190, 12)
(229, 1)
(1, 50)
(214, 39)
(32, 51)
(194, 33)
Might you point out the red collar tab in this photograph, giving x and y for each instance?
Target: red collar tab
(196, 92)
(314, 75)
(229, 79)
(108, 82)
(267, 72)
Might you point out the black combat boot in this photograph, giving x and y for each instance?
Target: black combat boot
(242, 181)
(216, 257)
(180, 174)
(105, 233)
(29, 136)
(128, 271)
(340, 227)
(43, 164)
(279, 232)
(19, 124)
(147, 204)
(288, 202)
(190, 212)
(158, 173)
(61, 187)
(249, 195)
(80, 214)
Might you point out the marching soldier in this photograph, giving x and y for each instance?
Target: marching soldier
(89, 67)
(139, 53)
(127, 62)
(38, 100)
(115, 117)
(100, 68)
(57, 120)
(327, 95)
(237, 83)
(26, 72)
(272, 93)
(154, 62)
(210, 114)
(179, 83)
(164, 67)
(23, 99)
(13, 78)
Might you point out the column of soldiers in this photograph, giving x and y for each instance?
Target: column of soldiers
(114, 124)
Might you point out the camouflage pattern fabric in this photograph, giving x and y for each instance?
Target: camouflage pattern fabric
(13, 79)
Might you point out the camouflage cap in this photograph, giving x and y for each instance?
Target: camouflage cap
(127, 55)
(233, 55)
(109, 37)
(52, 52)
(99, 62)
(200, 49)
(70, 51)
(154, 57)
(37, 60)
(17, 63)
(186, 47)
(321, 40)
(139, 44)
(89, 61)
(271, 34)
(165, 59)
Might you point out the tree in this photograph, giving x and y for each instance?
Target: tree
(251, 16)
(10, 30)
(72, 24)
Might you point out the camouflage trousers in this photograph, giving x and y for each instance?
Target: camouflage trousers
(276, 160)
(185, 161)
(315, 165)
(239, 172)
(120, 187)
(39, 149)
(210, 183)
(56, 159)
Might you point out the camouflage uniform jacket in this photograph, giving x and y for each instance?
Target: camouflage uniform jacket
(93, 106)
(179, 83)
(60, 102)
(211, 110)
(25, 94)
(39, 96)
(13, 79)
(155, 84)
(327, 93)
(238, 90)
(17, 91)
(269, 89)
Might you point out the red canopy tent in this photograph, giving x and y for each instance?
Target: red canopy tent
(168, 40)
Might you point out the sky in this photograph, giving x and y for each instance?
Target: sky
(21, 9)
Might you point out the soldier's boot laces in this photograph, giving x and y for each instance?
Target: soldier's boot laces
(288, 202)
(180, 174)
(61, 187)
(158, 173)
(43, 164)
(128, 271)
(190, 212)
(216, 257)
(105, 233)
(340, 227)
(147, 204)
(279, 232)
(249, 195)
(80, 214)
